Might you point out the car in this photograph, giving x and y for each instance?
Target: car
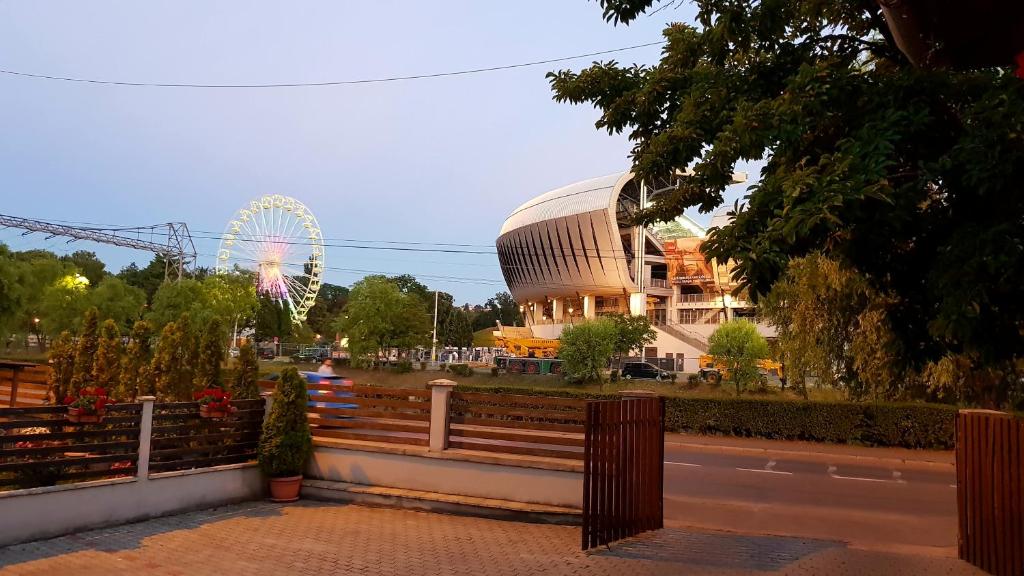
(234, 352)
(644, 370)
(267, 354)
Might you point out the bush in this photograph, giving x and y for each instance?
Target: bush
(928, 426)
(423, 365)
(461, 369)
(494, 371)
(402, 367)
(285, 442)
(614, 376)
(673, 377)
(692, 380)
(442, 367)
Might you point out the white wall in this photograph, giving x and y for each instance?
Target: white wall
(37, 513)
(448, 476)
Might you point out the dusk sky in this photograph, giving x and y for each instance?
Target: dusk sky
(433, 160)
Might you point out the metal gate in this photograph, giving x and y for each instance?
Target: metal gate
(623, 470)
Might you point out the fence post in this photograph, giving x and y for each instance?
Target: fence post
(440, 402)
(268, 401)
(145, 438)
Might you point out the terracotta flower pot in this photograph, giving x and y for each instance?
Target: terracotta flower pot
(285, 489)
(78, 416)
(205, 412)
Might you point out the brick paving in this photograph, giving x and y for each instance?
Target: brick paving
(258, 538)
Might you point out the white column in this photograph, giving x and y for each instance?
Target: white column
(440, 401)
(638, 304)
(558, 310)
(145, 437)
(268, 401)
(589, 306)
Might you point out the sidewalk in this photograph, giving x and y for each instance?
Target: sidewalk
(257, 538)
(939, 459)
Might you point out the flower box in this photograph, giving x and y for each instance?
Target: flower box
(206, 412)
(80, 416)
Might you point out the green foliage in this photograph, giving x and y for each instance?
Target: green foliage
(118, 301)
(379, 316)
(172, 377)
(62, 305)
(632, 333)
(136, 370)
(225, 296)
(917, 425)
(908, 176)
(402, 367)
(330, 301)
(272, 320)
(739, 346)
(586, 347)
(173, 299)
(460, 369)
(211, 355)
(244, 383)
(148, 279)
(62, 366)
(85, 352)
(457, 329)
(87, 264)
(286, 442)
(106, 370)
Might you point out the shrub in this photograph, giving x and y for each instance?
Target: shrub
(442, 367)
(614, 376)
(692, 380)
(739, 346)
(244, 380)
(673, 377)
(494, 371)
(423, 365)
(285, 442)
(461, 370)
(402, 367)
(586, 348)
(85, 351)
(62, 362)
(211, 355)
(106, 369)
(136, 375)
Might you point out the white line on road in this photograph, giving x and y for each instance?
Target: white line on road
(896, 477)
(683, 464)
(769, 468)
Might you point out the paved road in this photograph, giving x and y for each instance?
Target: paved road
(884, 505)
(310, 538)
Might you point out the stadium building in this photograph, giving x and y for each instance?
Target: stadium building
(572, 253)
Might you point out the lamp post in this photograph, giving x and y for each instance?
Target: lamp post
(570, 315)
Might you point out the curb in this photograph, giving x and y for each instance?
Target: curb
(818, 456)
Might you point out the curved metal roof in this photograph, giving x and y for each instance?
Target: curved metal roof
(577, 198)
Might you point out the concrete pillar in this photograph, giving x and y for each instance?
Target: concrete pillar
(638, 304)
(440, 402)
(558, 310)
(268, 401)
(145, 437)
(589, 307)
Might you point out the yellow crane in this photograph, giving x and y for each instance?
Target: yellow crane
(519, 341)
(714, 370)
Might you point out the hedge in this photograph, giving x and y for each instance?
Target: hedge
(910, 425)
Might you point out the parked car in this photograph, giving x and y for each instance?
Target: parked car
(267, 354)
(644, 370)
(310, 355)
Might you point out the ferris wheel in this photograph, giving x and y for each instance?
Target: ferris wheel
(278, 239)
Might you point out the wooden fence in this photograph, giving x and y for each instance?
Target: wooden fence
(370, 413)
(517, 424)
(39, 446)
(30, 390)
(182, 439)
(623, 471)
(990, 490)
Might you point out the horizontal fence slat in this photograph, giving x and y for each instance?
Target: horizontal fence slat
(519, 424)
(77, 435)
(521, 450)
(175, 440)
(81, 476)
(346, 435)
(478, 410)
(206, 424)
(94, 447)
(513, 436)
(236, 446)
(83, 461)
(7, 412)
(518, 399)
(45, 423)
(386, 402)
(394, 415)
(370, 424)
(395, 392)
(201, 462)
(250, 414)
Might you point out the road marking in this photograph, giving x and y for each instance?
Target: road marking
(896, 477)
(683, 464)
(769, 468)
(952, 485)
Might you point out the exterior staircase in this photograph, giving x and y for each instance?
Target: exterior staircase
(690, 338)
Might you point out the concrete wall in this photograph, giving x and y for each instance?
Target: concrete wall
(37, 513)
(436, 473)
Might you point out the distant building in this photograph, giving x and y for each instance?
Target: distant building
(571, 253)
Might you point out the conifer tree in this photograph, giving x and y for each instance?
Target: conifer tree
(106, 370)
(136, 370)
(211, 354)
(247, 367)
(85, 351)
(62, 365)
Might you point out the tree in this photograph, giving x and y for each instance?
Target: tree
(148, 279)
(457, 330)
(286, 442)
(118, 301)
(586, 348)
(244, 385)
(62, 367)
(738, 345)
(908, 176)
(330, 301)
(136, 371)
(173, 299)
(189, 341)
(231, 298)
(87, 264)
(379, 317)
(106, 371)
(85, 352)
(211, 355)
(631, 333)
(272, 320)
(505, 309)
(171, 379)
(62, 306)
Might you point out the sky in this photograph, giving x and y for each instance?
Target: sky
(441, 160)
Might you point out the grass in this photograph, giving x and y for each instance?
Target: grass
(418, 379)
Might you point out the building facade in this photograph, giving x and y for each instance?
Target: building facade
(572, 253)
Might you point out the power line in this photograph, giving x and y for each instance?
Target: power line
(329, 82)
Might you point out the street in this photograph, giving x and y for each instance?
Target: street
(873, 504)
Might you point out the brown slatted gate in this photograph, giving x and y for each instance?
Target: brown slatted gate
(990, 490)
(623, 477)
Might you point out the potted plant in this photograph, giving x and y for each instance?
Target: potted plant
(214, 403)
(286, 442)
(88, 407)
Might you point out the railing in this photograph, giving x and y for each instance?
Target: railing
(39, 446)
(623, 474)
(696, 298)
(517, 424)
(182, 439)
(370, 413)
(657, 282)
(30, 390)
(990, 490)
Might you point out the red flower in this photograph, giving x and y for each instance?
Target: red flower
(1020, 66)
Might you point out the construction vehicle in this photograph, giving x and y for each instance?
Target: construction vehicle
(713, 370)
(519, 341)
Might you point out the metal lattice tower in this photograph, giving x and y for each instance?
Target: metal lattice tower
(172, 240)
